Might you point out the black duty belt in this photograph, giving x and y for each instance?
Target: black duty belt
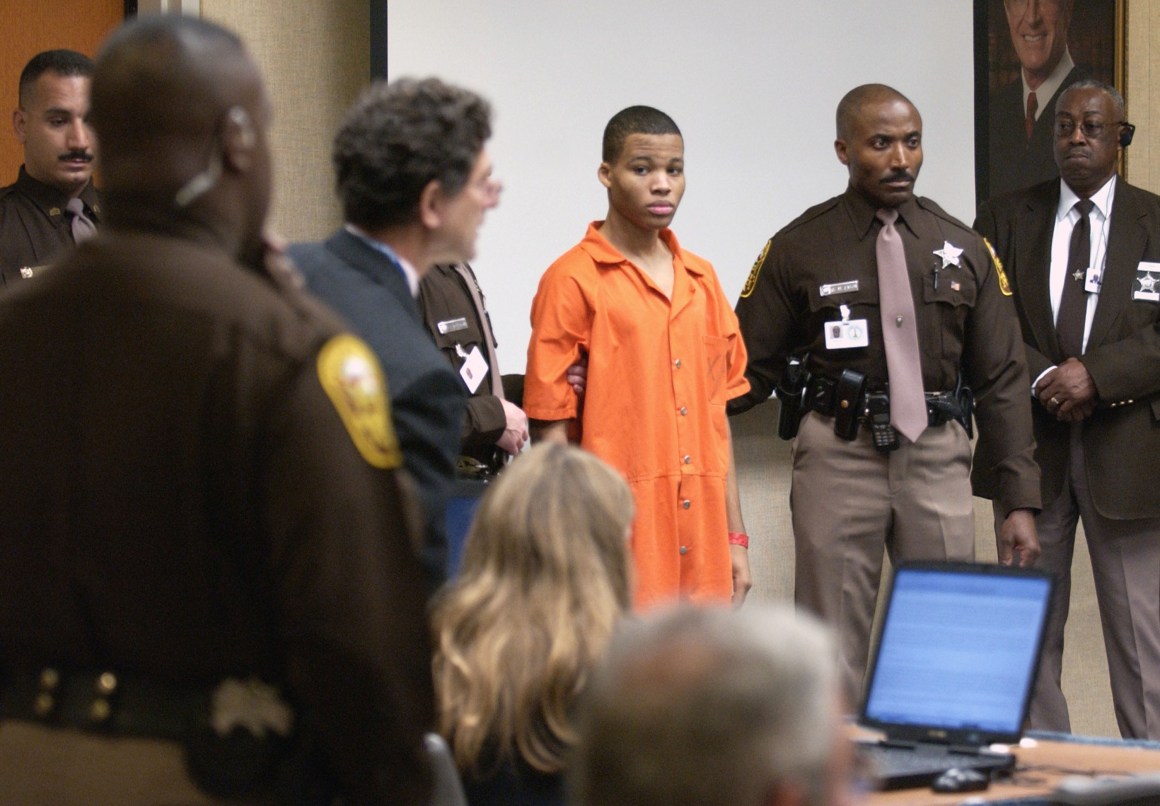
(102, 701)
(822, 395)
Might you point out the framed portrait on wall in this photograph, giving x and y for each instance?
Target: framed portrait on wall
(1026, 53)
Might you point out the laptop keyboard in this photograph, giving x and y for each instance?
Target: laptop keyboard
(891, 759)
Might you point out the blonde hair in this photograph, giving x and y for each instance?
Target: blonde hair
(545, 579)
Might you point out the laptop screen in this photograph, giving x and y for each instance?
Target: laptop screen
(957, 653)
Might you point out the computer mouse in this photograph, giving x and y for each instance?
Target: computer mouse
(959, 780)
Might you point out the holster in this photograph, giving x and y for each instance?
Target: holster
(966, 400)
(791, 391)
(850, 402)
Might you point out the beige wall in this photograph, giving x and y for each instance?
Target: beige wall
(1143, 77)
(316, 58)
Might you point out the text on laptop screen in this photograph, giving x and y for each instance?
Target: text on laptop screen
(957, 650)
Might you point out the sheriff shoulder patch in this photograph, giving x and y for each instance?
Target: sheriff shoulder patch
(1004, 286)
(756, 270)
(353, 381)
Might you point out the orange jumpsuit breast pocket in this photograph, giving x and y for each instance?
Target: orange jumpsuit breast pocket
(716, 368)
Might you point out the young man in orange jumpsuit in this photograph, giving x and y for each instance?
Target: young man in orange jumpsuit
(664, 355)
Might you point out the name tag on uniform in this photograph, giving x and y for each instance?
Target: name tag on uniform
(847, 333)
(1147, 282)
(474, 369)
(848, 287)
(451, 325)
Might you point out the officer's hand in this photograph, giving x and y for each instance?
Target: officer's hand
(1068, 391)
(577, 374)
(515, 432)
(1017, 541)
(742, 582)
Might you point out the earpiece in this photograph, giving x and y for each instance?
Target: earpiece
(241, 118)
(200, 183)
(1127, 132)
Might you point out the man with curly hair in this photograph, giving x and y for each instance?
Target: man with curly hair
(414, 180)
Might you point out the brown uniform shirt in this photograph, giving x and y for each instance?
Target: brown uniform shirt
(198, 483)
(34, 227)
(965, 318)
(458, 327)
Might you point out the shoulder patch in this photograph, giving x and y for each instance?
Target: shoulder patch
(351, 376)
(751, 281)
(1004, 286)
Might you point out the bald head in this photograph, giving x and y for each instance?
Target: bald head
(181, 107)
(854, 101)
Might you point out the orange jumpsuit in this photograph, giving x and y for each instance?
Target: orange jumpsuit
(659, 374)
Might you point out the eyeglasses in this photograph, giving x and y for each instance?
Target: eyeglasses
(488, 187)
(1092, 129)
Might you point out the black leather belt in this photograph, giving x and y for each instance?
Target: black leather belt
(102, 701)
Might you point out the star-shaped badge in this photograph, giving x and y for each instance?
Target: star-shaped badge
(1148, 283)
(949, 254)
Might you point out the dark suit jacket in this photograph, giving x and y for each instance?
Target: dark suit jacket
(1016, 162)
(427, 398)
(1122, 438)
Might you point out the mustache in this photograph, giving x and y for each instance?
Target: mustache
(897, 176)
(86, 156)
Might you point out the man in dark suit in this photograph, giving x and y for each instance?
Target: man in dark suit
(414, 181)
(1021, 112)
(1082, 259)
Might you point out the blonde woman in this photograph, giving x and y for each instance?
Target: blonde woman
(544, 580)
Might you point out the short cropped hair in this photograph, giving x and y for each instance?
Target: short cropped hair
(399, 137)
(633, 120)
(63, 62)
(1093, 84)
(710, 707)
(850, 107)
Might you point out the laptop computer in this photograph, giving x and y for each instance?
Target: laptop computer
(953, 670)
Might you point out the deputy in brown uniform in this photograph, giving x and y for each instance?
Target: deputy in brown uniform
(452, 304)
(51, 122)
(207, 550)
(859, 485)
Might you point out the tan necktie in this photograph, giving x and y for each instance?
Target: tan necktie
(1032, 106)
(899, 334)
(485, 326)
(1072, 315)
(82, 227)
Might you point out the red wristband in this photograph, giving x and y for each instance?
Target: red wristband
(739, 539)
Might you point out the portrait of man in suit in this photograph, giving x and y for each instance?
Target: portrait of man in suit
(1035, 50)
